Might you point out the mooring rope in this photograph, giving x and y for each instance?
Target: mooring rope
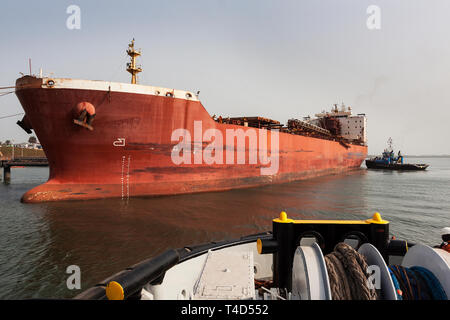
(417, 283)
(11, 115)
(348, 274)
(14, 87)
(5, 93)
(18, 87)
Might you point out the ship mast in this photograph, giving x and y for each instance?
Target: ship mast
(390, 145)
(131, 66)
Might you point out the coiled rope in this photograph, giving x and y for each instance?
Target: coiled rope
(348, 274)
(398, 290)
(417, 283)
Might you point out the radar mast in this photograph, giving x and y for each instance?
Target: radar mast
(131, 66)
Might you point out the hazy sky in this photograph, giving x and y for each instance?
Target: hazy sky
(278, 59)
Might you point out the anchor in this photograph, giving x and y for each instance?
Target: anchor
(86, 116)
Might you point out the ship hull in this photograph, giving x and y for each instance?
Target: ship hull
(395, 166)
(130, 151)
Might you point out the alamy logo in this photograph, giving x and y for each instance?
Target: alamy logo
(189, 151)
(374, 20)
(74, 280)
(374, 279)
(74, 20)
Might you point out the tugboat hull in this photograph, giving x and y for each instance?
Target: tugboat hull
(395, 166)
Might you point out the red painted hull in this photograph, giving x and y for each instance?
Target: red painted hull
(88, 164)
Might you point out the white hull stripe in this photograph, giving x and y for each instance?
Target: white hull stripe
(61, 83)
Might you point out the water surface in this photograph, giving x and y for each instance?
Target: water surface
(39, 241)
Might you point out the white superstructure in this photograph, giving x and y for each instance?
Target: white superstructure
(352, 127)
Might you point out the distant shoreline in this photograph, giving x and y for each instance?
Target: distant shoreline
(422, 156)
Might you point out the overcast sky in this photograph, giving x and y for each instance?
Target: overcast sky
(277, 59)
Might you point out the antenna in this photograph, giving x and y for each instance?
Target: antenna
(390, 144)
(131, 66)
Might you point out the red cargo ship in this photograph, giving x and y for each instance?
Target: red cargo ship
(106, 139)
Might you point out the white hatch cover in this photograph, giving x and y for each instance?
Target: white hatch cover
(226, 275)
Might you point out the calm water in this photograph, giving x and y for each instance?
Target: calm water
(39, 241)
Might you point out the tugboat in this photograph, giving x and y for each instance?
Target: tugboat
(390, 162)
(298, 260)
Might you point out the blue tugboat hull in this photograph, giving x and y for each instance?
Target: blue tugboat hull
(373, 164)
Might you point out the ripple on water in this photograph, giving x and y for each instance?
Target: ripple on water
(103, 237)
